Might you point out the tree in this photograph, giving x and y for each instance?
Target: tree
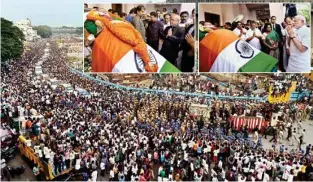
(306, 13)
(11, 41)
(79, 30)
(43, 30)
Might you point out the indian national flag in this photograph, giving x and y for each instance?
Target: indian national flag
(222, 51)
(110, 54)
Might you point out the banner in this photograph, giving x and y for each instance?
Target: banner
(279, 98)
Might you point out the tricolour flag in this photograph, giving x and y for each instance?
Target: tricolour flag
(222, 51)
(109, 54)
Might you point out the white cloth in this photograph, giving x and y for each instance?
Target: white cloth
(237, 32)
(255, 42)
(300, 62)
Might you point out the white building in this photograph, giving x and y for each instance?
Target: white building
(26, 27)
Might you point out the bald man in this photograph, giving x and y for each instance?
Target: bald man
(173, 37)
(299, 35)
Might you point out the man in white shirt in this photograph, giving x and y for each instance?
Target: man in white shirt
(94, 175)
(299, 36)
(239, 31)
(253, 36)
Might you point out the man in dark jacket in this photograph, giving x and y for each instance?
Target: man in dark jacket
(154, 30)
(173, 37)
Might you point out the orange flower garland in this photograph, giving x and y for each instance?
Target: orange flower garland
(135, 39)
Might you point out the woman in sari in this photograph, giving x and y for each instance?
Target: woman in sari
(270, 41)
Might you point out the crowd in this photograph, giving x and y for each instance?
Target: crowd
(171, 33)
(137, 136)
(287, 41)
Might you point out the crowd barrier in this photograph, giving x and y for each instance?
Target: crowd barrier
(221, 97)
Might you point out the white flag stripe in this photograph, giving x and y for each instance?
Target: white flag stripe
(229, 60)
(127, 63)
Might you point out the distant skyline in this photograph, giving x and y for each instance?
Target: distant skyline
(54, 13)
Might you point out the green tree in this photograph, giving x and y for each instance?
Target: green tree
(43, 30)
(11, 41)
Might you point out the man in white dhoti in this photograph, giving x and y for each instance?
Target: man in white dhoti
(299, 36)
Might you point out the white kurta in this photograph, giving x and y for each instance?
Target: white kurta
(255, 42)
(300, 62)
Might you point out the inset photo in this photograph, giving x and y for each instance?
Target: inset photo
(271, 37)
(139, 38)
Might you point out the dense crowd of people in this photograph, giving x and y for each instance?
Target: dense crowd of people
(171, 33)
(287, 41)
(137, 136)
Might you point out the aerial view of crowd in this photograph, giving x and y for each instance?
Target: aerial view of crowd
(120, 134)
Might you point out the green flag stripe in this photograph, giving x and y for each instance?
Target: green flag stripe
(260, 63)
(168, 67)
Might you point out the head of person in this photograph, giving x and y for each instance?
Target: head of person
(140, 10)
(175, 11)
(284, 24)
(164, 10)
(202, 23)
(154, 16)
(114, 12)
(123, 15)
(167, 18)
(239, 25)
(132, 12)
(267, 27)
(96, 8)
(158, 12)
(184, 16)
(266, 20)
(85, 5)
(110, 10)
(227, 25)
(253, 25)
(248, 22)
(299, 21)
(288, 20)
(175, 19)
(273, 19)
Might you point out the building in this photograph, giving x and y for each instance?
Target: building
(26, 27)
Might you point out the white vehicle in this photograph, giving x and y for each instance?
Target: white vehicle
(54, 83)
(67, 88)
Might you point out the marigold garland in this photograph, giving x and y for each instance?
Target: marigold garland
(135, 40)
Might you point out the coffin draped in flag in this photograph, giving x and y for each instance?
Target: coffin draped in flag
(120, 48)
(222, 51)
(251, 122)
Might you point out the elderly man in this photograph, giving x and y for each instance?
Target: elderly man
(299, 38)
(173, 36)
